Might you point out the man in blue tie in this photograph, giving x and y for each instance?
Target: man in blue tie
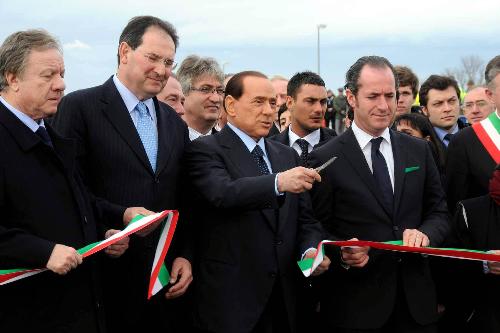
(383, 186)
(129, 149)
(254, 219)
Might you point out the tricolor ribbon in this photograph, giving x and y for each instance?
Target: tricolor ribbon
(488, 132)
(159, 271)
(308, 265)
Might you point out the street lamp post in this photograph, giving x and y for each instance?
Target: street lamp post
(319, 26)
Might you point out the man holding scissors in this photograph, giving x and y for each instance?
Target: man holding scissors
(383, 186)
(255, 219)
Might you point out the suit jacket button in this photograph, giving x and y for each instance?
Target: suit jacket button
(395, 228)
(279, 242)
(85, 219)
(272, 275)
(399, 260)
(157, 180)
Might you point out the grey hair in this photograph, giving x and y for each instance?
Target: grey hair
(16, 49)
(193, 67)
(352, 75)
(492, 70)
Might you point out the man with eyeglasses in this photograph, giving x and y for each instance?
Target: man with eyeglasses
(477, 105)
(129, 150)
(202, 82)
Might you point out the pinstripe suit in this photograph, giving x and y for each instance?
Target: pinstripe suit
(116, 168)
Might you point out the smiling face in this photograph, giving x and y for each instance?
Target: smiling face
(375, 103)
(253, 112)
(204, 106)
(39, 88)
(443, 107)
(143, 70)
(307, 108)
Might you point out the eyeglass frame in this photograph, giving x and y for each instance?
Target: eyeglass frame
(154, 59)
(470, 105)
(209, 91)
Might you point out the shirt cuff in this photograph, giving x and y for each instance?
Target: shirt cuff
(304, 254)
(276, 186)
(486, 269)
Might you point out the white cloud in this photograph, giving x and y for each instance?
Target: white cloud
(76, 45)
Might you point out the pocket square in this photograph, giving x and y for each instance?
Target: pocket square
(410, 169)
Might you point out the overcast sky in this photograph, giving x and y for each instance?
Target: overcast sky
(273, 36)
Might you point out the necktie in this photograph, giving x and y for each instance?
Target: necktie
(257, 155)
(304, 146)
(381, 174)
(44, 135)
(447, 138)
(147, 132)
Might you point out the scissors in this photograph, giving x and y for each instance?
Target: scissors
(326, 164)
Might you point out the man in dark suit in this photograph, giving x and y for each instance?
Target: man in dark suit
(129, 149)
(383, 186)
(439, 97)
(255, 221)
(306, 102)
(469, 164)
(202, 82)
(46, 212)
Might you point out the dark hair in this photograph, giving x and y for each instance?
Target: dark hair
(437, 82)
(492, 69)
(352, 75)
(234, 86)
(137, 26)
(406, 77)
(421, 123)
(282, 109)
(299, 79)
(350, 114)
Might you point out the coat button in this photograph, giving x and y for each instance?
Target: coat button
(157, 180)
(395, 228)
(272, 275)
(85, 219)
(279, 242)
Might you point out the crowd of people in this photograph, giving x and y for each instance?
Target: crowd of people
(238, 155)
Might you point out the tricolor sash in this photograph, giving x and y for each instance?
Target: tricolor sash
(488, 132)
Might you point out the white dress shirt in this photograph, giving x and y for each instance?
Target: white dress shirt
(194, 134)
(312, 139)
(364, 138)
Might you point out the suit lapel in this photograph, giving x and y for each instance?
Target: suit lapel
(115, 110)
(164, 137)
(399, 164)
(354, 155)
(245, 165)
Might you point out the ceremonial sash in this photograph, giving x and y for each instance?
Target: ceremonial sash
(307, 266)
(159, 274)
(488, 132)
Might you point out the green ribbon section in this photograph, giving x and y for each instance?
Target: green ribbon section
(495, 121)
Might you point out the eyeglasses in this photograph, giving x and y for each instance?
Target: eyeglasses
(155, 59)
(209, 90)
(479, 104)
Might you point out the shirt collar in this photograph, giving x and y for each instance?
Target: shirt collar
(129, 98)
(32, 124)
(441, 132)
(311, 138)
(364, 138)
(194, 134)
(247, 140)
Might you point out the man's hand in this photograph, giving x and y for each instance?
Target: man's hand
(63, 259)
(132, 212)
(415, 238)
(180, 278)
(297, 180)
(323, 266)
(355, 256)
(494, 266)
(118, 248)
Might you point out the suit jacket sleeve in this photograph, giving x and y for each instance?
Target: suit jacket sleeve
(17, 246)
(435, 217)
(210, 176)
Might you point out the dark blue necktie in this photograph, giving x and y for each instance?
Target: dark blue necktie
(304, 146)
(258, 156)
(381, 174)
(447, 139)
(44, 135)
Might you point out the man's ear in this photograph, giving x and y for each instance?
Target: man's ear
(351, 99)
(229, 102)
(12, 81)
(289, 103)
(124, 52)
(425, 111)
